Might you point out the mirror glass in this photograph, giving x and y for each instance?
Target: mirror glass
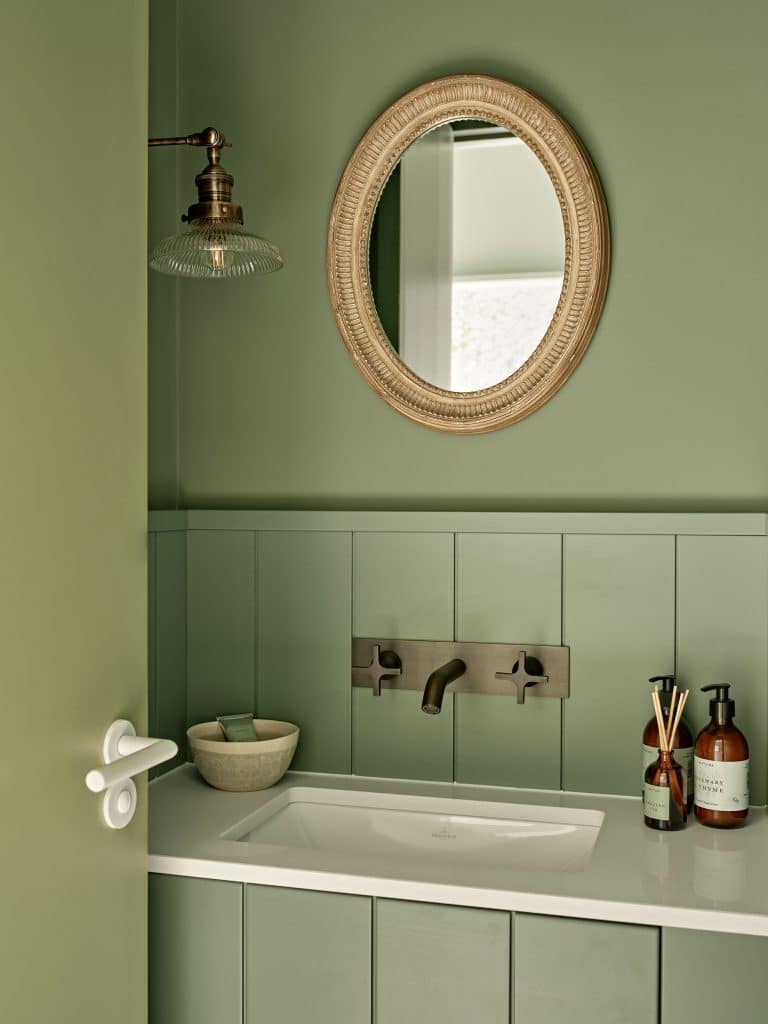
(466, 255)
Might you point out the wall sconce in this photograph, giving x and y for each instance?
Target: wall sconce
(216, 244)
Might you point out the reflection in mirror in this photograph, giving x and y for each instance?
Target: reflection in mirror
(466, 255)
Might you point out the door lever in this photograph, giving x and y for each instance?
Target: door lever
(125, 754)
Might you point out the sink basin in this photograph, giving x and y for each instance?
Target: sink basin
(467, 832)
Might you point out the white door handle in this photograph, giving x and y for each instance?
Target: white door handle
(125, 754)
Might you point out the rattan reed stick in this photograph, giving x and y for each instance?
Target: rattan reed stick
(678, 716)
(659, 720)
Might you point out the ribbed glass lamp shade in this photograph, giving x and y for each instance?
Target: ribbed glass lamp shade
(211, 248)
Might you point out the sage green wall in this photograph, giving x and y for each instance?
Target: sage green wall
(164, 220)
(73, 647)
(668, 408)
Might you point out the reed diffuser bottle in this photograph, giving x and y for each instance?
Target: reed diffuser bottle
(665, 797)
(682, 743)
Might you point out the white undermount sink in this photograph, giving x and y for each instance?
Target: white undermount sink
(462, 832)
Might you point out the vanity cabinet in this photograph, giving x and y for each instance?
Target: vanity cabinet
(441, 963)
(708, 977)
(195, 951)
(585, 972)
(307, 957)
(248, 954)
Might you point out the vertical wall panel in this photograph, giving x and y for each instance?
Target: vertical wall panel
(708, 977)
(221, 622)
(619, 622)
(585, 972)
(508, 589)
(403, 587)
(392, 736)
(305, 630)
(170, 640)
(307, 957)
(723, 634)
(195, 951)
(441, 963)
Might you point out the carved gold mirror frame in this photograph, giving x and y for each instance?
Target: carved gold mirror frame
(587, 255)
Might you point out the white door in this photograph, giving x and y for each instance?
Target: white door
(73, 507)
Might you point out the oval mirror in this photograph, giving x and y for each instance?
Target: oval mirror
(468, 253)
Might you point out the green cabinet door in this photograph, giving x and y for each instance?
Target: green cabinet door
(709, 977)
(195, 951)
(584, 972)
(307, 957)
(441, 963)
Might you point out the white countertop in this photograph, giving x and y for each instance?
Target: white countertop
(710, 879)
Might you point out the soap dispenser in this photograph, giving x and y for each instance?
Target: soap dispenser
(682, 742)
(721, 765)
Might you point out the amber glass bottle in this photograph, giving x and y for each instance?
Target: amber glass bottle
(721, 766)
(665, 804)
(682, 741)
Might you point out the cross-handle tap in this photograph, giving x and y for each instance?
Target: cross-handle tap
(519, 676)
(384, 665)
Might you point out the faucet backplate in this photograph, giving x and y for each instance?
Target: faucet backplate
(489, 666)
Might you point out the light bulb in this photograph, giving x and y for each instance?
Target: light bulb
(217, 257)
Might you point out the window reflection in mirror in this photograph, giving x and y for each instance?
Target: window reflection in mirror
(467, 255)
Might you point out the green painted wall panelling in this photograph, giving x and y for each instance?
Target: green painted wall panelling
(246, 344)
(305, 630)
(722, 626)
(709, 978)
(307, 956)
(619, 620)
(195, 951)
(403, 587)
(318, 587)
(441, 963)
(585, 972)
(221, 624)
(169, 640)
(392, 737)
(508, 589)
(693, 524)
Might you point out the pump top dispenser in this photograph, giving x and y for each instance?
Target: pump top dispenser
(682, 741)
(721, 765)
(721, 707)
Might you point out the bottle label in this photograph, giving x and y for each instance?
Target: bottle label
(656, 802)
(683, 756)
(721, 785)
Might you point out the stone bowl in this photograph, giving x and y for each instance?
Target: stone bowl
(240, 767)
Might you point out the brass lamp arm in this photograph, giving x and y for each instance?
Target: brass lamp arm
(210, 137)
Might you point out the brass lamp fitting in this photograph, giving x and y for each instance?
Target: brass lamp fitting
(214, 183)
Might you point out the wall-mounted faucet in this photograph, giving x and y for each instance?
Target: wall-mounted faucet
(432, 701)
(522, 671)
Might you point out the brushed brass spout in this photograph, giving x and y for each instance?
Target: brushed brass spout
(432, 701)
